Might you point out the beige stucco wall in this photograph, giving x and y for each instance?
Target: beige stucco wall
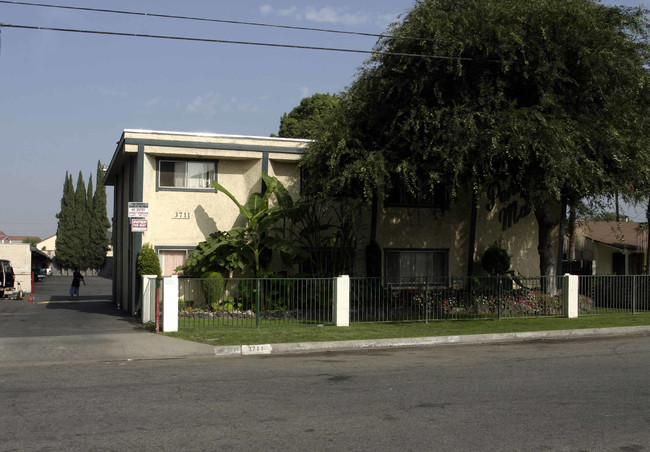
(20, 256)
(47, 246)
(185, 218)
(519, 236)
(402, 227)
(429, 228)
(604, 260)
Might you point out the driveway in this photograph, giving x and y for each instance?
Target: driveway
(51, 328)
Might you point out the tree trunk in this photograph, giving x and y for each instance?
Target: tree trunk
(546, 222)
(572, 233)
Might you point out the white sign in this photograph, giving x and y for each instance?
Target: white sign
(138, 209)
(138, 225)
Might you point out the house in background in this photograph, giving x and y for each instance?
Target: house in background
(48, 247)
(170, 173)
(4, 238)
(608, 248)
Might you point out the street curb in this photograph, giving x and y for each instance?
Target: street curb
(315, 347)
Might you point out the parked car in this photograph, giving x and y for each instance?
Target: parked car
(39, 274)
(7, 278)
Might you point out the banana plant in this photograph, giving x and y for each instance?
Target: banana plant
(262, 233)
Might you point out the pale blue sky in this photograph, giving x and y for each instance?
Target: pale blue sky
(66, 98)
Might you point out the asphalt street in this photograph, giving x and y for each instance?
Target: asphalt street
(578, 395)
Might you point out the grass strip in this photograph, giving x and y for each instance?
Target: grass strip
(365, 331)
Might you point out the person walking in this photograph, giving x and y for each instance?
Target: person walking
(77, 279)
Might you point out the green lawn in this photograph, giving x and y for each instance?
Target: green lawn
(277, 335)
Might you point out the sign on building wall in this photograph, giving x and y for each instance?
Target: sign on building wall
(138, 209)
(138, 225)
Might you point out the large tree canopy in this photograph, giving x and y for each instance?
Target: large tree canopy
(550, 95)
(303, 120)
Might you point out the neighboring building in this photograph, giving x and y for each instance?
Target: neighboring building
(4, 238)
(608, 248)
(25, 259)
(172, 172)
(48, 247)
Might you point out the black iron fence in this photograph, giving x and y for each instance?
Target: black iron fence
(616, 294)
(255, 302)
(385, 300)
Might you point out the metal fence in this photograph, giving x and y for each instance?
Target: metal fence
(615, 294)
(242, 302)
(451, 298)
(254, 302)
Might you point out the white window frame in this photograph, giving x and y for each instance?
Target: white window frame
(209, 169)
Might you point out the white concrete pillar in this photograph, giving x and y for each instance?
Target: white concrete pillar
(342, 301)
(170, 304)
(570, 295)
(148, 294)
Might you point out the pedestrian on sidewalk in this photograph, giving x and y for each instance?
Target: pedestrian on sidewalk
(77, 279)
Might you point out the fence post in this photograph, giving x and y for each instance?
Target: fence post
(499, 299)
(634, 294)
(341, 303)
(570, 296)
(147, 315)
(257, 303)
(170, 303)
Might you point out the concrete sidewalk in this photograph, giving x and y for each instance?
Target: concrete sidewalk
(54, 329)
(470, 339)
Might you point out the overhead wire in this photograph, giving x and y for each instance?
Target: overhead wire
(228, 41)
(222, 41)
(207, 19)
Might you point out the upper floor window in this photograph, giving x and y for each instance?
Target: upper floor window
(399, 196)
(190, 174)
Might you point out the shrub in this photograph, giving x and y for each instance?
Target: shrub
(212, 286)
(495, 260)
(148, 262)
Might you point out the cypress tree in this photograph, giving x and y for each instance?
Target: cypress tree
(65, 229)
(91, 252)
(82, 233)
(100, 225)
(81, 225)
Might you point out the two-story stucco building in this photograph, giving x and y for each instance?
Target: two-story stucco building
(172, 173)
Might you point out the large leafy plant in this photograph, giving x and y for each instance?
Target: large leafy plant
(254, 243)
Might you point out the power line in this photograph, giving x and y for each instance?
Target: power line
(225, 41)
(206, 19)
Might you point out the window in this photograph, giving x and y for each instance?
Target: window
(171, 259)
(416, 265)
(399, 196)
(186, 174)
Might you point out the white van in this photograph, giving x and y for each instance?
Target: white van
(6, 277)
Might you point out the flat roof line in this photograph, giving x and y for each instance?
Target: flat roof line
(214, 135)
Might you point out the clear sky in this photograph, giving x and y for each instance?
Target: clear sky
(65, 98)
